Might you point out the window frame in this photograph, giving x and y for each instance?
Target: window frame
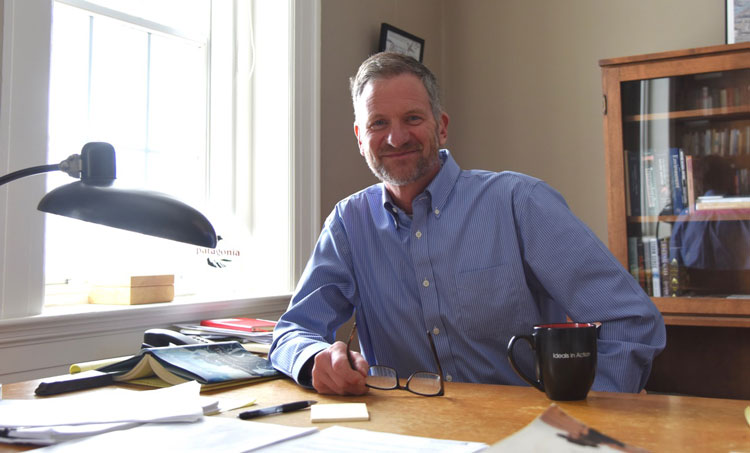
(23, 323)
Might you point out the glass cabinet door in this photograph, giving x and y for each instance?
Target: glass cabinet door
(686, 144)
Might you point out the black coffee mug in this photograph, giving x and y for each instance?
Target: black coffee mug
(565, 356)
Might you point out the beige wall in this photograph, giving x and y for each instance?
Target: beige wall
(350, 33)
(520, 80)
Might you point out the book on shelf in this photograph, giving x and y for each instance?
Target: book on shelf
(633, 263)
(644, 253)
(651, 263)
(650, 204)
(213, 365)
(663, 182)
(664, 266)
(707, 203)
(676, 159)
(656, 182)
(690, 184)
(244, 324)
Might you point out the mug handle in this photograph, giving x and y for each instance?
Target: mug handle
(534, 382)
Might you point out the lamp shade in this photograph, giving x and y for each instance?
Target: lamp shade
(141, 211)
(94, 199)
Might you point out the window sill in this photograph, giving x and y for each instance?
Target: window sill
(46, 344)
(59, 321)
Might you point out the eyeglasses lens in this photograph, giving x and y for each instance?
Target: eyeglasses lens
(382, 377)
(424, 383)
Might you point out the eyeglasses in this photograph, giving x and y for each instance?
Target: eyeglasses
(381, 377)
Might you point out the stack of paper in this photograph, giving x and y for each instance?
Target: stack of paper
(262, 337)
(228, 435)
(50, 420)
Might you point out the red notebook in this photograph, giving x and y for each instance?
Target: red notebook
(246, 324)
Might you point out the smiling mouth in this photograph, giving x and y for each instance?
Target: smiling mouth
(400, 152)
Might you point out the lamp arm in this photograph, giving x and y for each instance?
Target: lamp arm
(28, 172)
(71, 166)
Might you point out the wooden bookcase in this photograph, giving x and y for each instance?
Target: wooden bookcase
(685, 114)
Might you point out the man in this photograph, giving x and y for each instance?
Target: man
(473, 257)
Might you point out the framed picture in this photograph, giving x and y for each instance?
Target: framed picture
(738, 21)
(394, 40)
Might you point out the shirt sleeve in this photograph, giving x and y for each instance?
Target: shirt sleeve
(322, 302)
(576, 271)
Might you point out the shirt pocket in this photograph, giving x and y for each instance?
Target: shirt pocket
(491, 303)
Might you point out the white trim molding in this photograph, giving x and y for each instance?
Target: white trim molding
(306, 130)
(46, 345)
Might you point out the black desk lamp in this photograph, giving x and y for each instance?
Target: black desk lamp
(94, 199)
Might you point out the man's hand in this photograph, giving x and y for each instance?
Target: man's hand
(332, 373)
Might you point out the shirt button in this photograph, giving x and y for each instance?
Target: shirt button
(437, 211)
(449, 378)
(435, 331)
(425, 283)
(418, 234)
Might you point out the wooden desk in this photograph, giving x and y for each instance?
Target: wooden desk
(488, 413)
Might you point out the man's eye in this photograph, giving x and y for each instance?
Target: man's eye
(414, 119)
(378, 124)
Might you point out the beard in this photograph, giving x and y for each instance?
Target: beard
(398, 175)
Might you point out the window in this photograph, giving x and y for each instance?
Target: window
(185, 104)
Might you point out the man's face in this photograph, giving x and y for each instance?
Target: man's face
(396, 131)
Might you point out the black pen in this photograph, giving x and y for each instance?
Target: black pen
(288, 407)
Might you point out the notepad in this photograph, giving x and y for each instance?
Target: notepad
(338, 412)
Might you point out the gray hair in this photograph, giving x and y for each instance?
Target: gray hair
(385, 65)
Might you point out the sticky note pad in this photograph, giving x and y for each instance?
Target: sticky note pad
(338, 412)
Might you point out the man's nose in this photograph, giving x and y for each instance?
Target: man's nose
(398, 135)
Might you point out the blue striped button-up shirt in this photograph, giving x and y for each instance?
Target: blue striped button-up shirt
(484, 256)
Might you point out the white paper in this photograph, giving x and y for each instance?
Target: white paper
(177, 403)
(228, 435)
(345, 440)
(47, 435)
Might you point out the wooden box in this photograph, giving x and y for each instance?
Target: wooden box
(134, 290)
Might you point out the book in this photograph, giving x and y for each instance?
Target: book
(644, 252)
(633, 257)
(675, 165)
(650, 206)
(663, 181)
(664, 266)
(244, 324)
(555, 430)
(213, 365)
(652, 265)
(689, 183)
(712, 203)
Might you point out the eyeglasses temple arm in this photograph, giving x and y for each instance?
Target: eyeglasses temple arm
(435, 355)
(348, 345)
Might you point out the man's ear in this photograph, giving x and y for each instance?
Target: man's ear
(359, 140)
(443, 128)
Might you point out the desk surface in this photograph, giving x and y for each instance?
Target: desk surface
(488, 413)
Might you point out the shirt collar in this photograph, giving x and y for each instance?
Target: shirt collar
(438, 189)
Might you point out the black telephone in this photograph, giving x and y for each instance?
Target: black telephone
(154, 338)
